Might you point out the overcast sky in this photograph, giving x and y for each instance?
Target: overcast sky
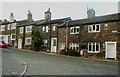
(74, 9)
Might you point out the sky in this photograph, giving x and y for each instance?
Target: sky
(76, 9)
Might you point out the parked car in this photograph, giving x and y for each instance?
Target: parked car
(3, 44)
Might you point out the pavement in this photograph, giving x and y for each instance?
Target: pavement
(90, 58)
(44, 64)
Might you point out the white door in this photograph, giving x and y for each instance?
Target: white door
(110, 50)
(53, 44)
(20, 43)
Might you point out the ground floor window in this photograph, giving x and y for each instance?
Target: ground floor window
(74, 46)
(93, 47)
(28, 41)
(13, 36)
(62, 46)
(45, 42)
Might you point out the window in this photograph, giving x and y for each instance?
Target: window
(74, 30)
(94, 28)
(8, 27)
(74, 46)
(13, 36)
(2, 27)
(13, 26)
(53, 28)
(62, 46)
(28, 41)
(106, 26)
(93, 47)
(54, 42)
(21, 29)
(45, 28)
(28, 28)
(45, 42)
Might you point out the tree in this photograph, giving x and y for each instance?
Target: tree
(36, 40)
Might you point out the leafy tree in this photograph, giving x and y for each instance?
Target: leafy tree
(36, 40)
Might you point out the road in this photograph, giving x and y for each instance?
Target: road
(40, 64)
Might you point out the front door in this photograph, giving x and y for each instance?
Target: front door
(20, 43)
(110, 50)
(53, 44)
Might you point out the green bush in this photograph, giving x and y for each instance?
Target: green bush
(70, 52)
(36, 40)
(101, 54)
(63, 52)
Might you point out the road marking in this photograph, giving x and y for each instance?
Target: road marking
(25, 69)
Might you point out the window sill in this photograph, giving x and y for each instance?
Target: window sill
(74, 33)
(93, 32)
(94, 52)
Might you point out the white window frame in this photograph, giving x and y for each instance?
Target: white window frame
(45, 29)
(12, 36)
(53, 28)
(91, 26)
(8, 26)
(93, 43)
(74, 45)
(2, 27)
(26, 41)
(45, 42)
(28, 29)
(62, 46)
(74, 30)
(21, 29)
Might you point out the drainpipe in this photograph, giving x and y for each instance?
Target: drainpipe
(49, 36)
(67, 34)
(23, 38)
(15, 36)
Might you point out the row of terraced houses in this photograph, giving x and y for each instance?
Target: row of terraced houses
(94, 33)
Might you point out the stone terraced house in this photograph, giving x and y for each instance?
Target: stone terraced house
(8, 28)
(24, 30)
(94, 33)
(48, 29)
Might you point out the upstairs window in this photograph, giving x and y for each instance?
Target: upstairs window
(13, 26)
(28, 28)
(45, 28)
(21, 29)
(94, 28)
(53, 28)
(8, 27)
(74, 30)
(2, 27)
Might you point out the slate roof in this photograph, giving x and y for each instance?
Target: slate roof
(25, 22)
(6, 22)
(95, 20)
(59, 21)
